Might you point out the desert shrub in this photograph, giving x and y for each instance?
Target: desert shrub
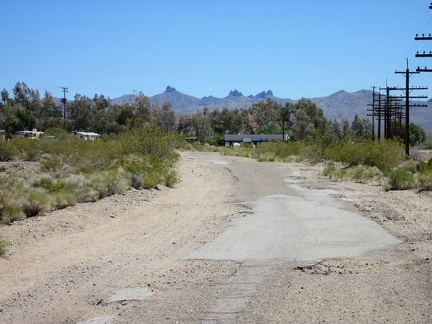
(54, 165)
(278, 149)
(4, 246)
(137, 181)
(10, 211)
(150, 181)
(242, 151)
(109, 183)
(11, 188)
(364, 173)
(79, 171)
(27, 149)
(267, 157)
(50, 185)
(170, 178)
(410, 165)
(56, 132)
(358, 173)
(401, 179)
(424, 166)
(384, 155)
(64, 198)
(218, 140)
(332, 171)
(425, 179)
(7, 151)
(35, 203)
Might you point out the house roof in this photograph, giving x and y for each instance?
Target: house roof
(252, 137)
(88, 133)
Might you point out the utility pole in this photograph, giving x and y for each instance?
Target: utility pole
(373, 113)
(408, 98)
(63, 100)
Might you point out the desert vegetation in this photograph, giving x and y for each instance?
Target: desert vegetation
(51, 173)
(137, 148)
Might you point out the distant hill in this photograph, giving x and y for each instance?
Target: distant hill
(185, 104)
(341, 104)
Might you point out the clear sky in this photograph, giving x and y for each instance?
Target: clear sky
(308, 48)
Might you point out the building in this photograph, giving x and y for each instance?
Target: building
(90, 136)
(29, 134)
(253, 139)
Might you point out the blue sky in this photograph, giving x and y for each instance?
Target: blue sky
(308, 48)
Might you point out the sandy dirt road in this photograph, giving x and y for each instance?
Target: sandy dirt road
(310, 250)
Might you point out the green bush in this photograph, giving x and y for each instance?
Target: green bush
(54, 165)
(74, 171)
(7, 151)
(425, 179)
(281, 149)
(424, 166)
(10, 211)
(332, 171)
(401, 179)
(384, 155)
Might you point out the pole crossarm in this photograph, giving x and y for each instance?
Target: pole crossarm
(423, 37)
(423, 54)
(423, 70)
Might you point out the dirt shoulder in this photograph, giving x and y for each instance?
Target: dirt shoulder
(65, 266)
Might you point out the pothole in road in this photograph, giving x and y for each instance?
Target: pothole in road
(120, 296)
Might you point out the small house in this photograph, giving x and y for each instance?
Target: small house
(87, 136)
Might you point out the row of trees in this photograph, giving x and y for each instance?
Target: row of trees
(299, 121)
(26, 110)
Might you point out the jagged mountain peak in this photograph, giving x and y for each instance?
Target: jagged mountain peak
(170, 89)
(235, 93)
(263, 95)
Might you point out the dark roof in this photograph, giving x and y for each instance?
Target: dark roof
(253, 137)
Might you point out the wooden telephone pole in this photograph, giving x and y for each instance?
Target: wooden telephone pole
(407, 90)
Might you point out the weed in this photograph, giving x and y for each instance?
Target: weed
(4, 246)
(171, 178)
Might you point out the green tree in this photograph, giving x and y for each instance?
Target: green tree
(263, 113)
(186, 125)
(164, 117)
(417, 134)
(142, 108)
(309, 120)
(22, 94)
(19, 119)
(48, 115)
(125, 115)
(270, 128)
(336, 130)
(5, 98)
(201, 125)
(362, 128)
(82, 113)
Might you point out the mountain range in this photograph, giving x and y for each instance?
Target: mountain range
(341, 104)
